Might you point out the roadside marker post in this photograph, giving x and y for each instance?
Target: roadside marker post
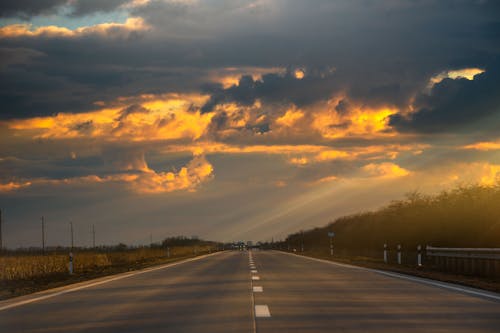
(419, 255)
(385, 253)
(331, 234)
(70, 266)
(301, 241)
(399, 254)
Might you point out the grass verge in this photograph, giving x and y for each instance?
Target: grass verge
(490, 284)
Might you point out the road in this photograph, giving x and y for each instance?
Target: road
(258, 291)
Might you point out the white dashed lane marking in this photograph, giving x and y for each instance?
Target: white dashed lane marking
(255, 278)
(262, 311)
(258, 289)
(253, 271)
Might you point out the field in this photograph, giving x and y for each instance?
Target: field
(23, 272)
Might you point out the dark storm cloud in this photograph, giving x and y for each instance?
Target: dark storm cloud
(276, 88)
(453, 103)
(383, 52)
(28, 8)
(86, 7)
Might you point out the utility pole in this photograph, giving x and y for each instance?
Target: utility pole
(93, 236)
(71, 230)
(43, 235)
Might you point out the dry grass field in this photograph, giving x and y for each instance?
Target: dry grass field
(27, 266)
(25, 272)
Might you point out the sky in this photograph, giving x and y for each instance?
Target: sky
(237, 119)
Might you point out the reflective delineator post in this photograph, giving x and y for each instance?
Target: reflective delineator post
(385, 253)
(419, 255)
(399, 254)
(70, 266)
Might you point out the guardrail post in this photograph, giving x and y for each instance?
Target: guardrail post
(70, 266)
(385, 253)
(399, 254)
(419, 255)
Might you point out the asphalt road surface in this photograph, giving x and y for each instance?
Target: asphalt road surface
(258, 291)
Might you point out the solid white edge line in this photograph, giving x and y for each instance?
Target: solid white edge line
(65, 291)
(435, 283)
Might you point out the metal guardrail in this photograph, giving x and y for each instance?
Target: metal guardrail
(470, 253)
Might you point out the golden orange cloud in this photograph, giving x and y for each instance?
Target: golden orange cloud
(484, 145)
(230, 76)
(11, 186)
(103, 30)
(147, 181)
(323, 180)
(385, 170)
(358, 122)
(373, 152)
(290, 118)
(483, 173)
(465, 73)
(162, 118)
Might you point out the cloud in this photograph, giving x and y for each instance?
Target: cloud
(341, 48)
(108, 30)
(460, 173)
(303, 154)
(385, 170)
(290, 118)
(17, 56)
(86, 7)
(11, 186)
(276, 88)
(483, 146)
(139, 178)
(167, 117)
(361, 121)
(197, 171)
(464, 73)
(453, 103)
(27, 8)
